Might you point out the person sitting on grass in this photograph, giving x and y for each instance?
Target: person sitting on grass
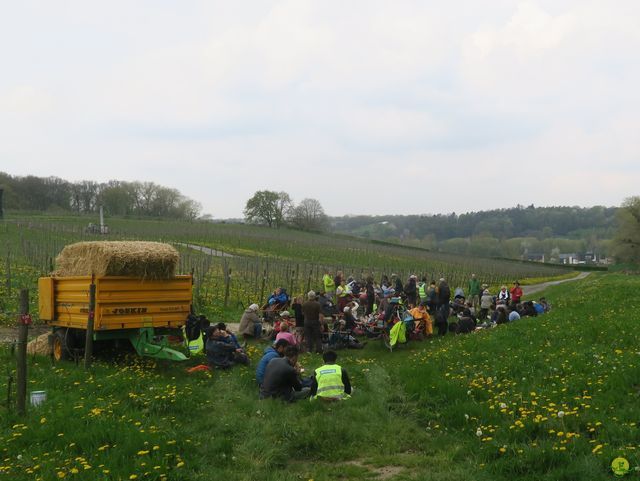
(330, 381)
(232, 337)
(546, 307)
(271, 352)
(281, 378)
(285, 334)
(513, 314)
(466, 322)
(422, 320)
(221, 351)
(327, 307)
(500, 314)
(250, 324)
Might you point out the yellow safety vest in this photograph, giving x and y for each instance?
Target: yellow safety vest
(422, 290)
(329, 379)
(196, 346)
(343, 291)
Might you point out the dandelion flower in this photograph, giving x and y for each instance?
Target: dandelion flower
(479, 432)
(560, 414)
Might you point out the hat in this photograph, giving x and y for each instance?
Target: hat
(254, 307)
(285, 314)
(311, 294)
(346, 309)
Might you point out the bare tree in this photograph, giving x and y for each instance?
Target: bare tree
(308, 215)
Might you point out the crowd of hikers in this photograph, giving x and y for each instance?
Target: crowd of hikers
(345, 314)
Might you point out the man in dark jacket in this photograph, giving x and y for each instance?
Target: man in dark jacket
(272, 352)
(221, 350)
(281, 380)
(313, 318)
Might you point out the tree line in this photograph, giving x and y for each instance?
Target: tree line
(118, 198)
(519, 221)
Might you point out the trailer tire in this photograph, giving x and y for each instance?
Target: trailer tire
(60, 345)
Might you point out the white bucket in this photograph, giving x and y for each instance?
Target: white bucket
(38, 397)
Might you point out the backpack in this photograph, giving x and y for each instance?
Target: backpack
(192, 327)
(195, 326)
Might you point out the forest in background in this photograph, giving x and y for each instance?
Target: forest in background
(516, 232)
(118, 198)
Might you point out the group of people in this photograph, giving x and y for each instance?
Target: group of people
(343, 307)
(279, 376)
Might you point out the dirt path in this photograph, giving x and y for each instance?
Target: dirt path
(207, 250)
(532, 289)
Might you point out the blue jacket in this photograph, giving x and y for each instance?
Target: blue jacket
(281, 298)
(269, 353)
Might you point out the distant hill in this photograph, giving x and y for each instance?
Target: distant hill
(515, 232)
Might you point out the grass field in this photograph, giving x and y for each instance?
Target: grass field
(265, 259)
(550, 398)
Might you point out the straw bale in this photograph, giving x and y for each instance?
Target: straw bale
(39, 345)
(147, 260)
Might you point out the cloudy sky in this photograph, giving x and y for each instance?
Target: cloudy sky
(369, 106)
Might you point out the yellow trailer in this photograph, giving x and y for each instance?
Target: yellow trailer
(143, 311)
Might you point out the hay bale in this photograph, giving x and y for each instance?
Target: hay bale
(147, 260)
(39, 345)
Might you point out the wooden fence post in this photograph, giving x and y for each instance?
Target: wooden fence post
(264, 280)
(88, 344)
(227, 282)
(8, 273)
(21, 369)
(309, 279)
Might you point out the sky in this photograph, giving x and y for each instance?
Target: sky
(369, 106)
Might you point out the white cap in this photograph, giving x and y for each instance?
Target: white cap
(254, 307)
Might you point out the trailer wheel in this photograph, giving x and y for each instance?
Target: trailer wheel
(60, 346)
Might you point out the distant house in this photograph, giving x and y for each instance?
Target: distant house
(592, 257)
(535, 257)
(572, 258)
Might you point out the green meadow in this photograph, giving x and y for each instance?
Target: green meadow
(547, 398)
